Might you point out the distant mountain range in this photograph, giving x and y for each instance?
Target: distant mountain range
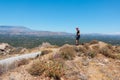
(19, 30)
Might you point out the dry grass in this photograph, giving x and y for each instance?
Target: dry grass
(94, 42)
(22, 62)
(51, 68)
(92, 54)
(6, 67)
(1, 69)
(118, 56)
(109, 46)
(82, 49)
(67, 52)
(108, 53)
(46, 52)
(48, 45)
(117, 49)
(86, 45)
(96, 47)
(105, 51)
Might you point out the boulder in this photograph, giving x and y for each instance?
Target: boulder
(5, 48)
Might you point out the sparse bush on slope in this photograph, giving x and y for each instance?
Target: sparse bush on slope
(6, 67)
(94, 42)
(82, 49)
(92, 54)
(48, 45)
(51, 68)
(108, 52)
(22, 62)
(46, 52)
(96, 47)
(67, 52)
(86, 46)
(109, 46)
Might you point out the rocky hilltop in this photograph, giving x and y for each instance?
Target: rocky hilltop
(7, 50)
(95, 60)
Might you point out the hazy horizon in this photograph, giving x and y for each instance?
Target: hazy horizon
(7, 26)
(91, 16)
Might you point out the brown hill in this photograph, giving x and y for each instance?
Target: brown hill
(95, 60)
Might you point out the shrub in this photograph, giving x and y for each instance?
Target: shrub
(51, 68)
(105, 51)
(86, 46)
(96, 47)
(92, 54)
(16, 50)
(22, 62)
(110, 46)
(117, 49)
(94, 42)
(46, 52)
(117, 56)
(82, 49)
(67, 52)
(108, 53)
(46, 45)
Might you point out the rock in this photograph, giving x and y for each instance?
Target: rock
(1, 79)
(100, 64)
(12, 78)
(83, 77)
(106, 61)
(85, 62)
(5, 48)
(24, 50)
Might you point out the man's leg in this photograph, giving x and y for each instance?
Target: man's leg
(76, 42)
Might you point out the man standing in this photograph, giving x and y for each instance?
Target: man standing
(77, 36)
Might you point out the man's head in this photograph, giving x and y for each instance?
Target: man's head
(77, 28)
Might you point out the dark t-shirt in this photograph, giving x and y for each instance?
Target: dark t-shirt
(78, 33)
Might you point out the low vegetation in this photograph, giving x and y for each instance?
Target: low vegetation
(69, 61)
(5, 67)
(82, 49)
(67, 52)
(94, 42)
(45, 52)
(22, 62)
(108, 52)
(92, 54)
(86, 46)
(51, 68)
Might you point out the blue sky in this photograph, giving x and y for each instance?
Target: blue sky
(92, 16)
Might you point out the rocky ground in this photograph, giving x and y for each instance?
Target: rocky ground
(95, 60)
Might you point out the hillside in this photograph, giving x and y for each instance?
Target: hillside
(20, 30)
(95, 60)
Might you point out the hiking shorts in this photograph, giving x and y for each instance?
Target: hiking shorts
(78, 37)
